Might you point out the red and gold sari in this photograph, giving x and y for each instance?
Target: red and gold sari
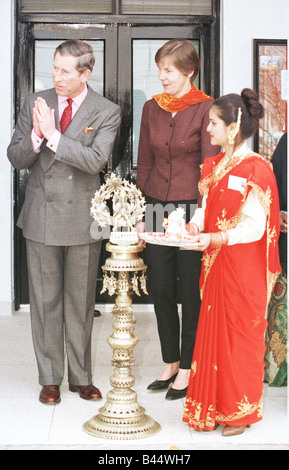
(226, 381)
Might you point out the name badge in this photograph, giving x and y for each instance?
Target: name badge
(237, 183)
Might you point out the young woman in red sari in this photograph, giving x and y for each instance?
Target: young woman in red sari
(238, 229)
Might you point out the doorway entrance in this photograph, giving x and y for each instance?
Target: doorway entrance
(124, 44)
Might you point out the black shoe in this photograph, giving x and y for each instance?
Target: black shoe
(173, 394)
(161, 384)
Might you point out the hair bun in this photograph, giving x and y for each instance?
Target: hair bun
(251, 101)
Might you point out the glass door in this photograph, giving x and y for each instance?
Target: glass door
(138, 77)
(125, 73)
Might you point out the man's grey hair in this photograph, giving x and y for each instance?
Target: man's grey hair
(80, 49)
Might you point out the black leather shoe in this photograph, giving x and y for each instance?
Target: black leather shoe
(173, 394)
(161, 384)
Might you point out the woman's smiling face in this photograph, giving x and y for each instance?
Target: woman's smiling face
(175, 83)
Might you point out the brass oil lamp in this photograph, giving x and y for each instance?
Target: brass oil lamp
(121, 417)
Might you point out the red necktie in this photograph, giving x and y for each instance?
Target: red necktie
(66, 116)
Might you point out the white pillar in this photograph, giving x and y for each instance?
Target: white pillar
(6, 187)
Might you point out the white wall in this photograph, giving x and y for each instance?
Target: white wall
(6, 118)
(242, 22)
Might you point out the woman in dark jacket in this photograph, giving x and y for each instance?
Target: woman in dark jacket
(173, 144)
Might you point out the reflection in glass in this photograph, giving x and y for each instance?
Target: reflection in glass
(145, 81)
(44, 53)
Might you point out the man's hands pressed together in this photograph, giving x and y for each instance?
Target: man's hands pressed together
(43, 119)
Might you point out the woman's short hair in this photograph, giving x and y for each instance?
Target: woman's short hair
(182, 55)
(80, 49)
(228, 106)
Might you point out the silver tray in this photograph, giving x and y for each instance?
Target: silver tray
(158, 238)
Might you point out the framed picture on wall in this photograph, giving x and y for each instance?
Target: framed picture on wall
(270, 75)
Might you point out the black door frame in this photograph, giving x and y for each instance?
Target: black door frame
(117, 31)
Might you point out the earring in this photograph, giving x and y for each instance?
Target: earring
(232, 134)
(231, 138)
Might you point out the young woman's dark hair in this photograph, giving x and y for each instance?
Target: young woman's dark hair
(228, 107)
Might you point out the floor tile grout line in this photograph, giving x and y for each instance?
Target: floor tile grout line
(51, 423)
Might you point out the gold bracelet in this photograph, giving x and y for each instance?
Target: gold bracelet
(218, 239)
(225, 237)
(192, 228)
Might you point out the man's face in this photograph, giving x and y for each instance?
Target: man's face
(66, 79)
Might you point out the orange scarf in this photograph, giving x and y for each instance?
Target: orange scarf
(171, 104)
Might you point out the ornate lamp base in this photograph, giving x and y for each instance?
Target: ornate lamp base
(112, 425)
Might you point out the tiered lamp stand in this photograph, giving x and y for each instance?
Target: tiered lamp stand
(121, 417)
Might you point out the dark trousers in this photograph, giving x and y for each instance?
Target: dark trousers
(174, 277)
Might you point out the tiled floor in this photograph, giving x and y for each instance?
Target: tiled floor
(27, 424)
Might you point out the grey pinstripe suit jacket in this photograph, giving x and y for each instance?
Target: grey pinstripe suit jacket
(60, 186)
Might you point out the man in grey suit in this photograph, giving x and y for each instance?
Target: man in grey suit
(62, 256)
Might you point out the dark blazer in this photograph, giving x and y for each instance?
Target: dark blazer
(60, 186)
(171, 151)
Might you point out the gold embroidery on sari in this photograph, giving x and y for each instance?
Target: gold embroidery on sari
(194, 368)
(220, 169)
(209, 421)
(223, 224)
(208, 261)
(264, 198)
(204, 185)
(194, 419)
(245, 408)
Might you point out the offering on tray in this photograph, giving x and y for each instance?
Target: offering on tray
(175, 232)
(175, 225)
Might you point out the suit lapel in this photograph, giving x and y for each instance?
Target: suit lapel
(52, 102)
(80, 120)
(47, 159)
(83, 115)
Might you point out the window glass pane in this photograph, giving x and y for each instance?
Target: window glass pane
(167, 7)
(145, 81)
(44, 53)
(66, 6)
